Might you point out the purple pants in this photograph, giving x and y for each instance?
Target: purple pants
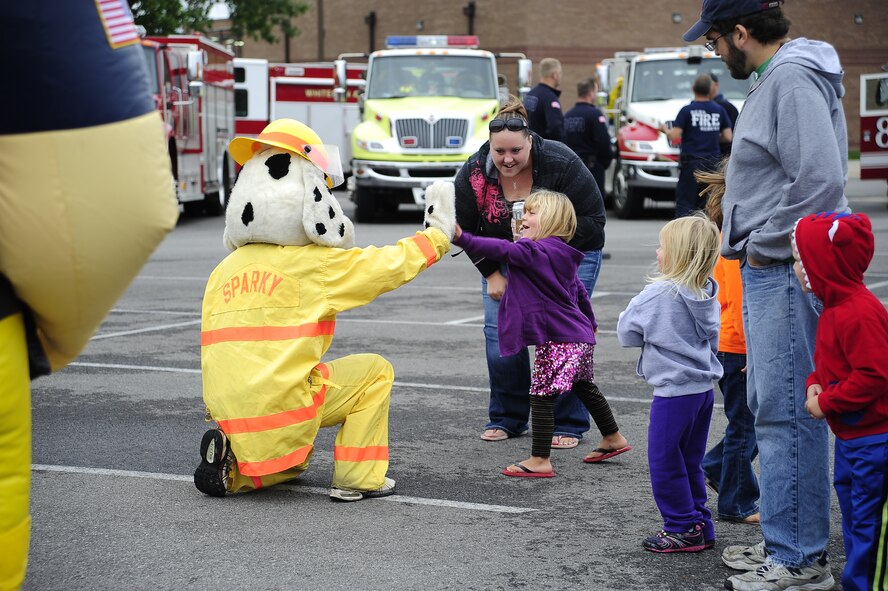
(677, 435)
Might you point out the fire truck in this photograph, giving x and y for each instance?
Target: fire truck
(424, 111)
(192, 80)
(303, 91)
(874, 125)
(646, 89)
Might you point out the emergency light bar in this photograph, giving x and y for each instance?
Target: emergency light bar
(406, 41)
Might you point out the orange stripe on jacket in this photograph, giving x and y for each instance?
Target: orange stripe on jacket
(361, 454)
(266, 333)
(274, 465)
(425, 245)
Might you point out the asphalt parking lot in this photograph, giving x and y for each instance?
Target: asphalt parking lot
(116, 439)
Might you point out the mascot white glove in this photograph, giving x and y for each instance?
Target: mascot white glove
(440, 207)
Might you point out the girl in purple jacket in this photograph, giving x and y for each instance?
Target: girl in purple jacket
(546, 305)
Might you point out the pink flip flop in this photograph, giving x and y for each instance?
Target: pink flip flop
(606, 454)
(527, 472)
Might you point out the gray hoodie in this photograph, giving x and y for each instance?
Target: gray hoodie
(789, 157)
(678, 336)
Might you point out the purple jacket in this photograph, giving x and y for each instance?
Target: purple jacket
(544, 300)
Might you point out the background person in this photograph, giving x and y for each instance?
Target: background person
(512, 163)
(675, 321)
(585, 131)
(700, 126)
(728, 465)
(789, 158)
(718, 98)
(546, 305)
(542, 102)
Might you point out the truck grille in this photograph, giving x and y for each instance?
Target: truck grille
(442, 134)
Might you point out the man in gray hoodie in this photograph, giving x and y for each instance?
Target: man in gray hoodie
(789, 159)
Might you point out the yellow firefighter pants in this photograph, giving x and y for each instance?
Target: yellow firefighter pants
(15, 452)
(358, 394)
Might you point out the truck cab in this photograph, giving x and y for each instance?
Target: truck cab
(424, 111)
(646, 89)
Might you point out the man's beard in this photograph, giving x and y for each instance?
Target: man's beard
(736, 62)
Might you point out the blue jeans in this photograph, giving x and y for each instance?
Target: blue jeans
(510, 376)
(780, 321)
(729, 463)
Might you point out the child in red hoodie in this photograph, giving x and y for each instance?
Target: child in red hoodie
(849, 385)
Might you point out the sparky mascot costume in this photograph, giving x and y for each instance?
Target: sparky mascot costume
(269, 313)
(85, 197)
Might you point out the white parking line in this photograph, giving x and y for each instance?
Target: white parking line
(109, 335)
(314, 490)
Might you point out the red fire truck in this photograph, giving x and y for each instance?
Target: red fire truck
(303, 91)
(192, 79)
(874, 125)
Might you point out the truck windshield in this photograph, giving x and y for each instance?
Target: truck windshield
(660, 80)
(431, 75)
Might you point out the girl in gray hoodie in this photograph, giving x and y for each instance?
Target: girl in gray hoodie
(675, 321)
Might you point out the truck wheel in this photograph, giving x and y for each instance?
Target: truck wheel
(365, 205)
(628, 202)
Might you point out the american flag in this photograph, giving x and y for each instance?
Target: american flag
(118, 23)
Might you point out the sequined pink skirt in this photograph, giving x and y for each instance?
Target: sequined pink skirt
(558, 365)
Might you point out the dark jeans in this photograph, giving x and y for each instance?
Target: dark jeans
(729, 463)
(687, 191)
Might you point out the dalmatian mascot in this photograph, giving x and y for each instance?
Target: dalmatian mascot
(269, 315)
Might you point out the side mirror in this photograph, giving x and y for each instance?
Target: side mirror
(695, 54)
(525, 71)
(340, 81)
(196, 62)
(601, 98)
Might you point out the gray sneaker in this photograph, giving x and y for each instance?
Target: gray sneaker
(341, 494)
(772, 577)
(745, 557)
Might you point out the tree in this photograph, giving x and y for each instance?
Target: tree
(254, 18)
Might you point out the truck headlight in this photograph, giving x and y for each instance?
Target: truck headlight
(639, 146)
(371, 146)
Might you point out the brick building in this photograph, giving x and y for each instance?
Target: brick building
(579, 33)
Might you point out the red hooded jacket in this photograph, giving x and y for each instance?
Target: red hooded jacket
(851, 347)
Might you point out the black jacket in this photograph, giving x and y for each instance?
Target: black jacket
(482, 209)
(544, 114)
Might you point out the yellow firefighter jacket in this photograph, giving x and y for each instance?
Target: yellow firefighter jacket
(269, 313)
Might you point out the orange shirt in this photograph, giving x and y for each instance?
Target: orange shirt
(730, 296)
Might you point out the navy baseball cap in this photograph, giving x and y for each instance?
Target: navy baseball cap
(716, 10)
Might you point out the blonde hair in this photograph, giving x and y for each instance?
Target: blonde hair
(690, 250)
(555, 214)
(714, 191)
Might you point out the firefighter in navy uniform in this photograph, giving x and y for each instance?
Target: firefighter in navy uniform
(544, 114)
(85, 196)
(585, 131)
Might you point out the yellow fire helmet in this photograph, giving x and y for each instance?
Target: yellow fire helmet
(296, 137)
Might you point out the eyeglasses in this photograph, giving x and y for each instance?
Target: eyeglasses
(710, 44)
(512, 124)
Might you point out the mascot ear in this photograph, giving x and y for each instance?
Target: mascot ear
(322, 217)
(440, 208)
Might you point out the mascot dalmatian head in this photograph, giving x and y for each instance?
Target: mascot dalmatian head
(283, 195)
